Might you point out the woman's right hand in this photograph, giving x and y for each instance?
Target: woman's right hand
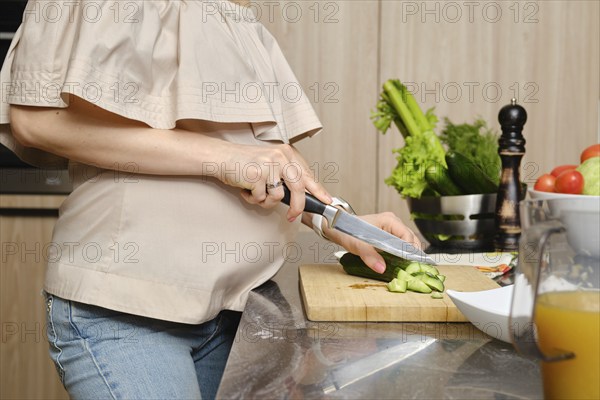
(253, 167)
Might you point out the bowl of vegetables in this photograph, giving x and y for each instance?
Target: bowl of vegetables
(571, 179)
(450, 180)
(572, 193)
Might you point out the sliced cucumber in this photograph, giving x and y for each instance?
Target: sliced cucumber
(433, 283)
(404, 276)
(397, 285)
(437, 295)
(441, 278)
(430, 269)
(413, 268)
(417, 285)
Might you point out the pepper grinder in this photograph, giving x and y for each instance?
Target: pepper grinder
(511, 148)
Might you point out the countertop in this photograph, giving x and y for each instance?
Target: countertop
(279, 354)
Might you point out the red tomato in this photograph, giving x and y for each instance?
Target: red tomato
(592, 151)
(545, 183)
(570, 182)
(561, 168)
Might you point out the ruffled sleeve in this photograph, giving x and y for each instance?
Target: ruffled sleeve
(156, 62)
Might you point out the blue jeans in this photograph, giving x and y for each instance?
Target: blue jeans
(106, 354)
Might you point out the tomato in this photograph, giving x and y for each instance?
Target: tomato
(561, 168)
(545, 183)
(570, 182)
(592, 151)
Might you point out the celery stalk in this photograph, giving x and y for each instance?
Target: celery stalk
(395, 97)
(414, 108)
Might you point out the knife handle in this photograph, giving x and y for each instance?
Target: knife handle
(311, 205)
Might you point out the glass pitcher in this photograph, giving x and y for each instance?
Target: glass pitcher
(555, 312)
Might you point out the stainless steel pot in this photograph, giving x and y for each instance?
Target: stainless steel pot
(456, 222)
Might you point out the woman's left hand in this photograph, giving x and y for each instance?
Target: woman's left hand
(387, 221)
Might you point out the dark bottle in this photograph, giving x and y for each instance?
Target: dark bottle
(511, 148)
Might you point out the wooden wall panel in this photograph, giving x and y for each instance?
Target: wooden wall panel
(546, 53)
(332, 48)
(26, 371)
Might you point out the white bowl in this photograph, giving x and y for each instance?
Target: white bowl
(538, 195)
(580, 214)
(488, 310)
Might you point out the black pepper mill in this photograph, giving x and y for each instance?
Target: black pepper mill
(511, 148)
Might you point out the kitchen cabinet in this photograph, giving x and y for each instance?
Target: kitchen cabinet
(26, 223)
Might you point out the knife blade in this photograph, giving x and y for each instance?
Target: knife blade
(352, 225)
(372, 365)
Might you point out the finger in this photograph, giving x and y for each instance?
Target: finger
(406, 234)
(247, 195)
(389, 222)
(365, 251)
(259, 192)
(318, 190)
(297, 200)
(274, 197)
(372, 258)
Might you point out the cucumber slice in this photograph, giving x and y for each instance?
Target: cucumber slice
(437, 295)
(433, 283)
(430, 269)
(397, 285)
(442, 278)
(404, 276)
(416, 285)
(413, 268)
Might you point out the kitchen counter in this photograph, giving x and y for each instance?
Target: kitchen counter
(279, 354)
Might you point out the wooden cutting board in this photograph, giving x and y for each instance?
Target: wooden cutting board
(329, 294)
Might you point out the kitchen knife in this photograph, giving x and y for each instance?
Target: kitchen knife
(361, 230)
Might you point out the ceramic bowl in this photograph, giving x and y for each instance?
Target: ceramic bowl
(580, 214)
(488, 310)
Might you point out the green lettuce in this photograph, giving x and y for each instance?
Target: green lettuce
(419, 152)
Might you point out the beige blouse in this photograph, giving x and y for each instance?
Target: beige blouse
(177, 248)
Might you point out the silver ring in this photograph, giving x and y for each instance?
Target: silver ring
(274, 185)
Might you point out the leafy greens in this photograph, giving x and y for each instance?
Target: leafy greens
(423, 147)
(477, 142)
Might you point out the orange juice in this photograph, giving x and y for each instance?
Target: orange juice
(570, 321)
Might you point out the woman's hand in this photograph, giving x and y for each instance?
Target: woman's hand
(88, 134)
(386, 221)
(252, 168)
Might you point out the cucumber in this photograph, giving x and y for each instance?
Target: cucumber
(353, 265)
(400, 274)
(437, 295)
(468, 175)
(430, 269)
(438, 178)
(404, 276)
(417, 285)
(397, 285)
(413, 268)
(433, 283)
